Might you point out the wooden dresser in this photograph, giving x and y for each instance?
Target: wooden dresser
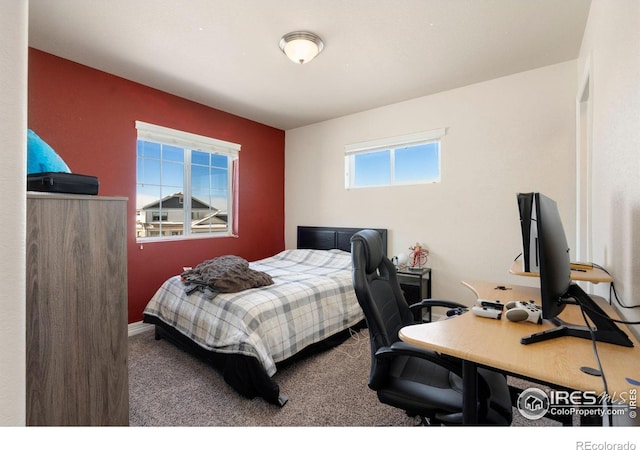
(76, 325)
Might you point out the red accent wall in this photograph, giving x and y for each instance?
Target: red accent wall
(88, 117)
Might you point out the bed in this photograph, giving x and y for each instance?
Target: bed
(248, 335)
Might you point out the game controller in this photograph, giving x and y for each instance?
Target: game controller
(486, 311)
(495, 304)
(519, 311)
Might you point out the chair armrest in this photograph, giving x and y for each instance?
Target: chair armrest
(406, 349)
(429, 304)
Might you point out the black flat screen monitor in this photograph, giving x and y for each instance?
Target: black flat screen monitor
(556, 288)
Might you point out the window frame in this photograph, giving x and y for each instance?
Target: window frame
(392, 144)
(191, 142)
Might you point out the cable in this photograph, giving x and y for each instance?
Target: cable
(356, 337)
(612, 288)
(626, 322)
(615, 294)
(598, 362)
(598, 266)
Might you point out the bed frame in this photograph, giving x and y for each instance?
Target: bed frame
(327, 238)
(244, 373)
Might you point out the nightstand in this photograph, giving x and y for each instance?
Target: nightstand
(415, 283)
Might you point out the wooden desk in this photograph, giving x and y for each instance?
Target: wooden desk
(594, 275)
(496, 344)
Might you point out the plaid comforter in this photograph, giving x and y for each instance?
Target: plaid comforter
(312, 298)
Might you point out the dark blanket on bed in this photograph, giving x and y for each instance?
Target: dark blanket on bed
(228, 273)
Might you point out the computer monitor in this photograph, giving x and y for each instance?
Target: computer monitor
(556, 288)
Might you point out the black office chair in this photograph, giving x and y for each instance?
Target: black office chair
(419, 381)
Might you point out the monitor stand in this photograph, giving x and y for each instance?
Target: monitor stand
(604, 329)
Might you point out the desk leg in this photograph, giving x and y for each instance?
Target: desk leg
(469, 393)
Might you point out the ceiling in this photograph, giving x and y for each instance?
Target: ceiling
(225, 54)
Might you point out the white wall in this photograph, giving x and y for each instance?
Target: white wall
(13, 126)
(611, 47)
(509, 135)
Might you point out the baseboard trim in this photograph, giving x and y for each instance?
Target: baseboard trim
(139, 327)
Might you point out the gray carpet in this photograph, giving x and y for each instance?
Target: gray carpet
(169, 387)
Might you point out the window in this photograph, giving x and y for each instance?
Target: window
(174, 166)
(158, 216)
(410, 159)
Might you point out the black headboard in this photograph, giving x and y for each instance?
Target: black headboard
(326, 238)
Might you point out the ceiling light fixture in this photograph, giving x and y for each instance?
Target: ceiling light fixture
(301, 46)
